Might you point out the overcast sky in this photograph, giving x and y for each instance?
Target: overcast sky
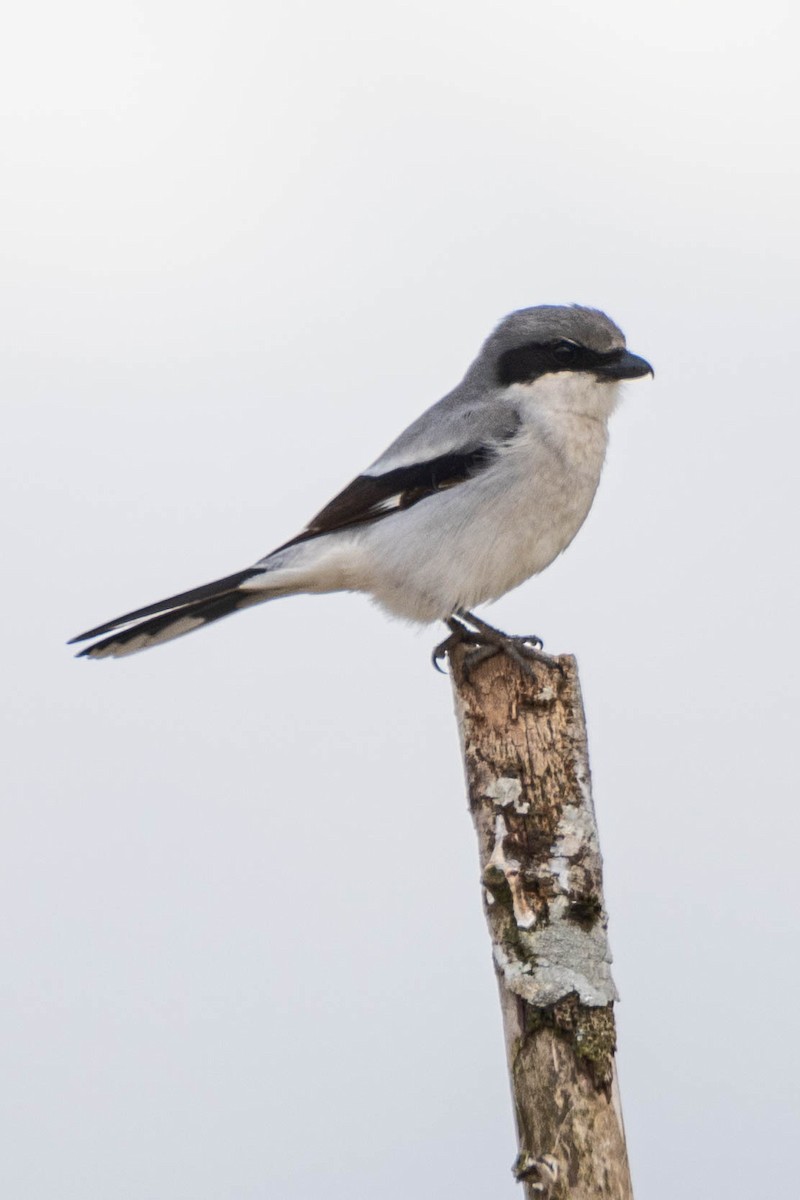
(242, 246)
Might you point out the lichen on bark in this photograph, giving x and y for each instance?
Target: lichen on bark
(529, 786)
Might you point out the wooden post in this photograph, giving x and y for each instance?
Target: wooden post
(527, 768)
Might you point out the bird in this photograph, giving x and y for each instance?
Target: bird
(484, 490)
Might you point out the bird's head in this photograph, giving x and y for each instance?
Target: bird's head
(567, 356)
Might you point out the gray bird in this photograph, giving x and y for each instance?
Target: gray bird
(482, 491)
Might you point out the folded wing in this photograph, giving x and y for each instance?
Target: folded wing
(373, 496)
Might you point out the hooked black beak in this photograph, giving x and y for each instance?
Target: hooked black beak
(624, 365)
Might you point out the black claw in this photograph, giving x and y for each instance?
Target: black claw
(459, 634)
(488, 641)
(439, 653)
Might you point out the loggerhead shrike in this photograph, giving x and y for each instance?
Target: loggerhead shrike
(482, 491)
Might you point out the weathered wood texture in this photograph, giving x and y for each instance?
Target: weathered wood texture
(529, 787)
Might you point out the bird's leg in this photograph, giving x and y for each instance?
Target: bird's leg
(458, 633)
(495, 637)
(482, 649)
(488, 641)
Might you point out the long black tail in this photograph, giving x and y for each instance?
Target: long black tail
(173, 617)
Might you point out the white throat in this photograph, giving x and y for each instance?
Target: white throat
(575, 392)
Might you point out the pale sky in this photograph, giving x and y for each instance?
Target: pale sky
(242, 246)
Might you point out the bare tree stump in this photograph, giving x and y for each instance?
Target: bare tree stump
(527, 768)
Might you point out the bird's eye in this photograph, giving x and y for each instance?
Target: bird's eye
(564, 352)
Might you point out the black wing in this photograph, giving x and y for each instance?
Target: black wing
(371, 497)
(368, 498)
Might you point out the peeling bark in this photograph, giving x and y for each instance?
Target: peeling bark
(527, 768)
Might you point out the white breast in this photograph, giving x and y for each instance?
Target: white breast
(482, 538)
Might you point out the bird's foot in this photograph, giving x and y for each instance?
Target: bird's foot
(458, 635)
(466, 628)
